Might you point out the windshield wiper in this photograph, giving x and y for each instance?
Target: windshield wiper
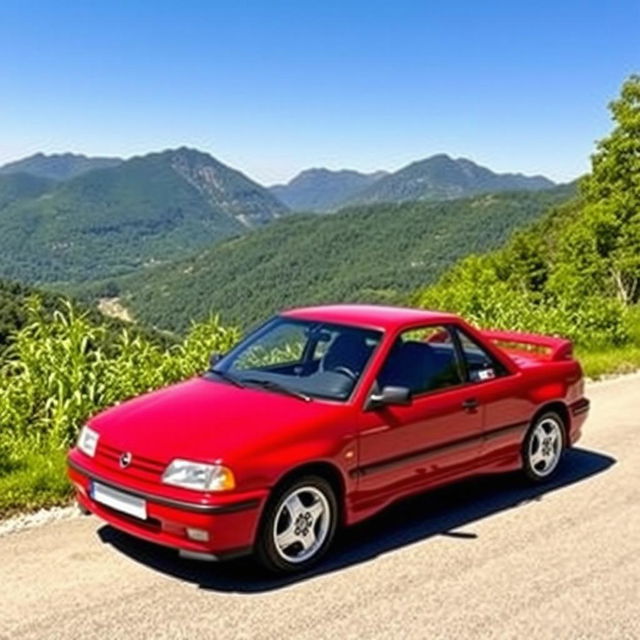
(227, 377)
(276, 386)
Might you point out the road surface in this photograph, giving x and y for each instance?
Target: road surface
(490, 558)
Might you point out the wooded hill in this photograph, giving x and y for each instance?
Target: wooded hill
(375, 253)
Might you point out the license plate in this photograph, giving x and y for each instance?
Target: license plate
(119, 500)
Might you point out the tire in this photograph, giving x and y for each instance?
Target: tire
(298, 525)
(543, 447)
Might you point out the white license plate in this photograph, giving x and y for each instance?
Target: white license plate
(119, 500)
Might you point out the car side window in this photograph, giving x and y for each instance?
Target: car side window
(480, 364)
(422, 360)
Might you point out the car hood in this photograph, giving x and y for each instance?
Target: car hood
(204, 420)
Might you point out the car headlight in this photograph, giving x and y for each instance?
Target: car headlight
(198, 476)
(88, 441)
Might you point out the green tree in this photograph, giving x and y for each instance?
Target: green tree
(610, 225)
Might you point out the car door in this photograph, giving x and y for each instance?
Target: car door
(507, 411)
(438, 434)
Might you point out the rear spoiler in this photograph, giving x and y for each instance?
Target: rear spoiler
(531, 344)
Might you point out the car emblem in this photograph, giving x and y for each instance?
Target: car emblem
(125, 459)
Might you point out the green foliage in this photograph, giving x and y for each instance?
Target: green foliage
(577, 271)
(474, 290)
(610, 230)
(374, 254)
(13, 314)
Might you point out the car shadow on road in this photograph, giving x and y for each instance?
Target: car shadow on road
(439, 512)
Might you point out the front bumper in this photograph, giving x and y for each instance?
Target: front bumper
(231, 526)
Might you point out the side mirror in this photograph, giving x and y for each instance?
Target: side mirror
(215, 358)
(389, 396)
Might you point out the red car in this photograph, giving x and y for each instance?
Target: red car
(321, 418)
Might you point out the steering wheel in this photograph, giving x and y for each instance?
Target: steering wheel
(346, 371)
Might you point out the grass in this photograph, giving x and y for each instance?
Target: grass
(37, 479)
(612, 361)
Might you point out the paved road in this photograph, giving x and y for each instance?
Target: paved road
(489, 558)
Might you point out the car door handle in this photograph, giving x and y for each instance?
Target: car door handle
(470, 404)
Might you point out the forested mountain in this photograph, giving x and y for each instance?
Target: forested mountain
(58, 166)
(17, 186)
(107, 222)
(322, 189)
(443, 178)
(436, 178)
(368, 253)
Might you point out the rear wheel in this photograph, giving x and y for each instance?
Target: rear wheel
(543, 447)
(298, 526)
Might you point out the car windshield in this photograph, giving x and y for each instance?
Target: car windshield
(300, 358)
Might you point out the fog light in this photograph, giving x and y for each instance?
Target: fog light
(198, 534)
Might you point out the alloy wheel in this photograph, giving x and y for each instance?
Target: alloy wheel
(301, 524)
(545, 446)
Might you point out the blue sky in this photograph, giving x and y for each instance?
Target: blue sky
(275, 87)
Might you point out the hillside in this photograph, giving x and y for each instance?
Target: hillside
(443, 178)
(112, 221)
(58, 166)
(18, 186)
(323, 190)
(372, 253)
(14, 313)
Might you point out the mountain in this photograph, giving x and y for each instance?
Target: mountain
(443, 178)
(323, 190)
(374, 253)
(17, 186)
(58, 166)
(436, 178)
(149, 209)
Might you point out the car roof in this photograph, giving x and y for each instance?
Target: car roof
(369, 315)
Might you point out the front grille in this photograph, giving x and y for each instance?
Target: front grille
(139, 467)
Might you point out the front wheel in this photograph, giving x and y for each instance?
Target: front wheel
(543, 447)
(298, 526)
